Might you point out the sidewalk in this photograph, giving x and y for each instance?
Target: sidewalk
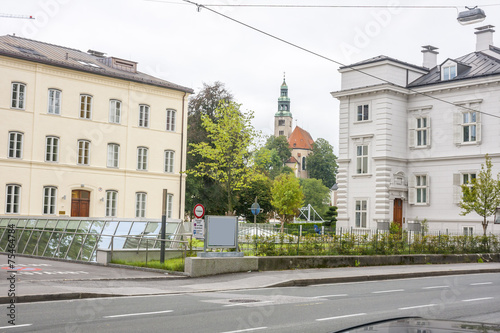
(101, 281)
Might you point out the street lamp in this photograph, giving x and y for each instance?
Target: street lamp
(470, 16)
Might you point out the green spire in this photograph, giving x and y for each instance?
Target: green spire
(283, 101)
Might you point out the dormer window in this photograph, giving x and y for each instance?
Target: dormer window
(449, 72)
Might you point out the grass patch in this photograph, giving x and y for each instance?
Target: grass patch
(176, 264)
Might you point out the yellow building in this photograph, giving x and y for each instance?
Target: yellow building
(87, 135)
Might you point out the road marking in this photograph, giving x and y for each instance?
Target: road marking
(324, 296)
(259, 302)
(340, 317)
(436, 287)
(480, 283)
(247, 330)
(387, 291)
(416, 307)
(477, 299)
(138, 314)
(15, 326)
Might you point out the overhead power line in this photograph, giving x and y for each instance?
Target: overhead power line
(200, 6)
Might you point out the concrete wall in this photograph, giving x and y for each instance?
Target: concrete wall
(196, 267)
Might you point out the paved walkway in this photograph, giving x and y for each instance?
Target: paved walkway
(43, 279)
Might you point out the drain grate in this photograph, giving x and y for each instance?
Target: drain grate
(243, 301)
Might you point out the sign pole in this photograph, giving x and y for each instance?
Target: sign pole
(163, 226)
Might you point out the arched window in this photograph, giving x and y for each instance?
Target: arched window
(303, 162)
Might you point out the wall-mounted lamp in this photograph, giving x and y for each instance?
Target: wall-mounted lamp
(82, 185)
(102, 199)
(64, 197)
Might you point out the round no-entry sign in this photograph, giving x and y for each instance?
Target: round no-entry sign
(199, 211)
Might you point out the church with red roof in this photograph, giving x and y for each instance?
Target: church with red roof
(299, 139)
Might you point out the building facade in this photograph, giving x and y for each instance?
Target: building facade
(411, 135)
(299, 140)
(88, 135)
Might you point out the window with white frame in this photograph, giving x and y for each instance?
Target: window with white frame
(467, 178)
(143, 115)
(83, 152)
(459, 179)
(49, 200)
(15, 145)
(111, 202)
(140, 204)
(115, 111)
(363, 112)
(142, 158)
(85, 106)
(171, 120)
(170, 203)
(113, 155)
(421, 188)
(12, 198)
(421, 132)
(468, 231)
(169, 161)
(361, 213)
(469, 125)
(54, 105)
(51, 149)
(18, 95)
(449, 72)
(362, 159)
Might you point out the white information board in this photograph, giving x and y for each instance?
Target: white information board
(222, 231)
(199, 228)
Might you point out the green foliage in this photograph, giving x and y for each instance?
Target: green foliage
(225, 159)
(287, 196)
(176, 264)
(482, 196)
(316, 194)
(260, 188)
(376, 244)
(270, 158)
(322, 163)
(331, 217)
(204, 189)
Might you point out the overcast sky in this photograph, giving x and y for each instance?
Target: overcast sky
(175, 42)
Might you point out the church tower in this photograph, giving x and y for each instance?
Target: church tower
(283, 118)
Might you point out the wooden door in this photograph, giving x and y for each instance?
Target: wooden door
(398, 212)
(80, 203)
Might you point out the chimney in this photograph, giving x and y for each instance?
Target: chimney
(430, 56)
(484, 37)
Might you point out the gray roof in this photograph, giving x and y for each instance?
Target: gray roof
(54, 55)
(383, 58)
(475, 64)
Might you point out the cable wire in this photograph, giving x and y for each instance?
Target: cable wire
(200, 6)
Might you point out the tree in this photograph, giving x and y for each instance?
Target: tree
(287, 196)
(322, 163)
(482, 195)
(316, 194)
(271, 158)
(203, 189)
(331, 217)
(226, 158)
(260, 187)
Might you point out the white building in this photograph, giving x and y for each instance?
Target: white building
(410, 135)
(87, 135)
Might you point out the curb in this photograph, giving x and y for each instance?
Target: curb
(362, 278)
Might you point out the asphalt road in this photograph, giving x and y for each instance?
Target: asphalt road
(319, 308)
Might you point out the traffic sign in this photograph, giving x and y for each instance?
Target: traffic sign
(199, 211)
(199, 228)
(255, 209)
